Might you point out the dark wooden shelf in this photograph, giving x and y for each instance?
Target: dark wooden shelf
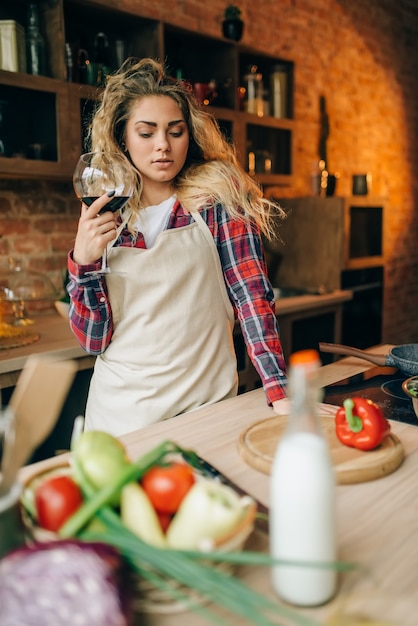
(196, 57)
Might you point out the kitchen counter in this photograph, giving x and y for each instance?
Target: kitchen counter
(309, 302)
(307, 319)
(377, 520)
(56, 340)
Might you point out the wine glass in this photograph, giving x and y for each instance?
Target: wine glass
(97, 173)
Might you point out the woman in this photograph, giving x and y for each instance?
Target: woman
(192, 256)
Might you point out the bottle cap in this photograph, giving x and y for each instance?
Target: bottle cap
(304, 357)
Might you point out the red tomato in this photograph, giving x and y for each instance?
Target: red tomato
(56, 499)
(166, 485)
(165, 520)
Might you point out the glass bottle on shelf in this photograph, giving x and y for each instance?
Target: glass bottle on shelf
(84, 66)
(278, 91)
(302, 502)
(101, 65)
(35, 43)
(254, 91)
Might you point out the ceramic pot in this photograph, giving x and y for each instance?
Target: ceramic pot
(233, 29)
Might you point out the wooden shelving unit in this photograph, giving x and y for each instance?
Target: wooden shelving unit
(50, 109)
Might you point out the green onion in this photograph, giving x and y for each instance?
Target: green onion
(215, 585)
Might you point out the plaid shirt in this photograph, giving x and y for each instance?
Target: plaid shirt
(242, 259)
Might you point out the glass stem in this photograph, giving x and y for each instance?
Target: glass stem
(104, 261)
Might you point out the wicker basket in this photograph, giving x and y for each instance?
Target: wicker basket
(149, 598)
(153, 600)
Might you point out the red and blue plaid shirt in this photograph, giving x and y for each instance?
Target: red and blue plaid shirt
(242, 259)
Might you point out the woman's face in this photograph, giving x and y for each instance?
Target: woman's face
(157, 139)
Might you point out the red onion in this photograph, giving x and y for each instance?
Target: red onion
(64, 583)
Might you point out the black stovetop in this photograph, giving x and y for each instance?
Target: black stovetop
(380, 386)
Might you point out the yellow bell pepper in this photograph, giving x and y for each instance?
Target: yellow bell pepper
(208, 511)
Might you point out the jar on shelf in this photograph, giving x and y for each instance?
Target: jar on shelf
(259, 162)
(278, 91)
(12, 46)
(254, 91)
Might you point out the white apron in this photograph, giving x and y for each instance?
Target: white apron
(172, 348)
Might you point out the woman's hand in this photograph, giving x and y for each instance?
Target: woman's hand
(94, 231)
(281, 407)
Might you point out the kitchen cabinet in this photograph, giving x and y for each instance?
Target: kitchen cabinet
(304, 321)
(53, 111)
(36, 112)
(337, 243)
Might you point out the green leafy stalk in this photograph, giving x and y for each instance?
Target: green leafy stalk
(190, 602)
(215, 585)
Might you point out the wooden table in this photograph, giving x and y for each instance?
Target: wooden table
(377, 520)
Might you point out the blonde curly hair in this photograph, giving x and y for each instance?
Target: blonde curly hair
(211, 174)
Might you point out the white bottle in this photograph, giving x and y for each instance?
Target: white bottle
(302, 494)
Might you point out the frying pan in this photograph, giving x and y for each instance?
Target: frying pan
(404, 357)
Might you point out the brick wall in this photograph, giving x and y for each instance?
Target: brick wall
(362, 56)
(38, 221)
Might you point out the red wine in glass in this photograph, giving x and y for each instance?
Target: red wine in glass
(113, 205)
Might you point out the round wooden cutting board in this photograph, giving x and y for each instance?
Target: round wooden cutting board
(257, 445)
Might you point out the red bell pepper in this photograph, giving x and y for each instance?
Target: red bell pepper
(360, 423)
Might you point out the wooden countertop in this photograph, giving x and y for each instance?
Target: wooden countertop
(311, 301)
(377, 520)
(56, 340)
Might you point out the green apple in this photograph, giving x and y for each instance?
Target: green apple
(100, 456)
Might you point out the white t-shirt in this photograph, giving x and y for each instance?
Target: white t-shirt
(152, 220)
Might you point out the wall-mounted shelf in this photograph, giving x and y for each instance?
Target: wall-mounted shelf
(59, 108)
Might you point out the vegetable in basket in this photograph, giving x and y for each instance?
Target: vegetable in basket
(56, 499)
(138, 514)
(166, 485)
(101, 456)
(210, 510)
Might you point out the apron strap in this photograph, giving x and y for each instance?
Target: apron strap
(118, 231)
(217, 262)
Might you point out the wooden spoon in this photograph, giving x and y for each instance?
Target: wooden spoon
(33, 410)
